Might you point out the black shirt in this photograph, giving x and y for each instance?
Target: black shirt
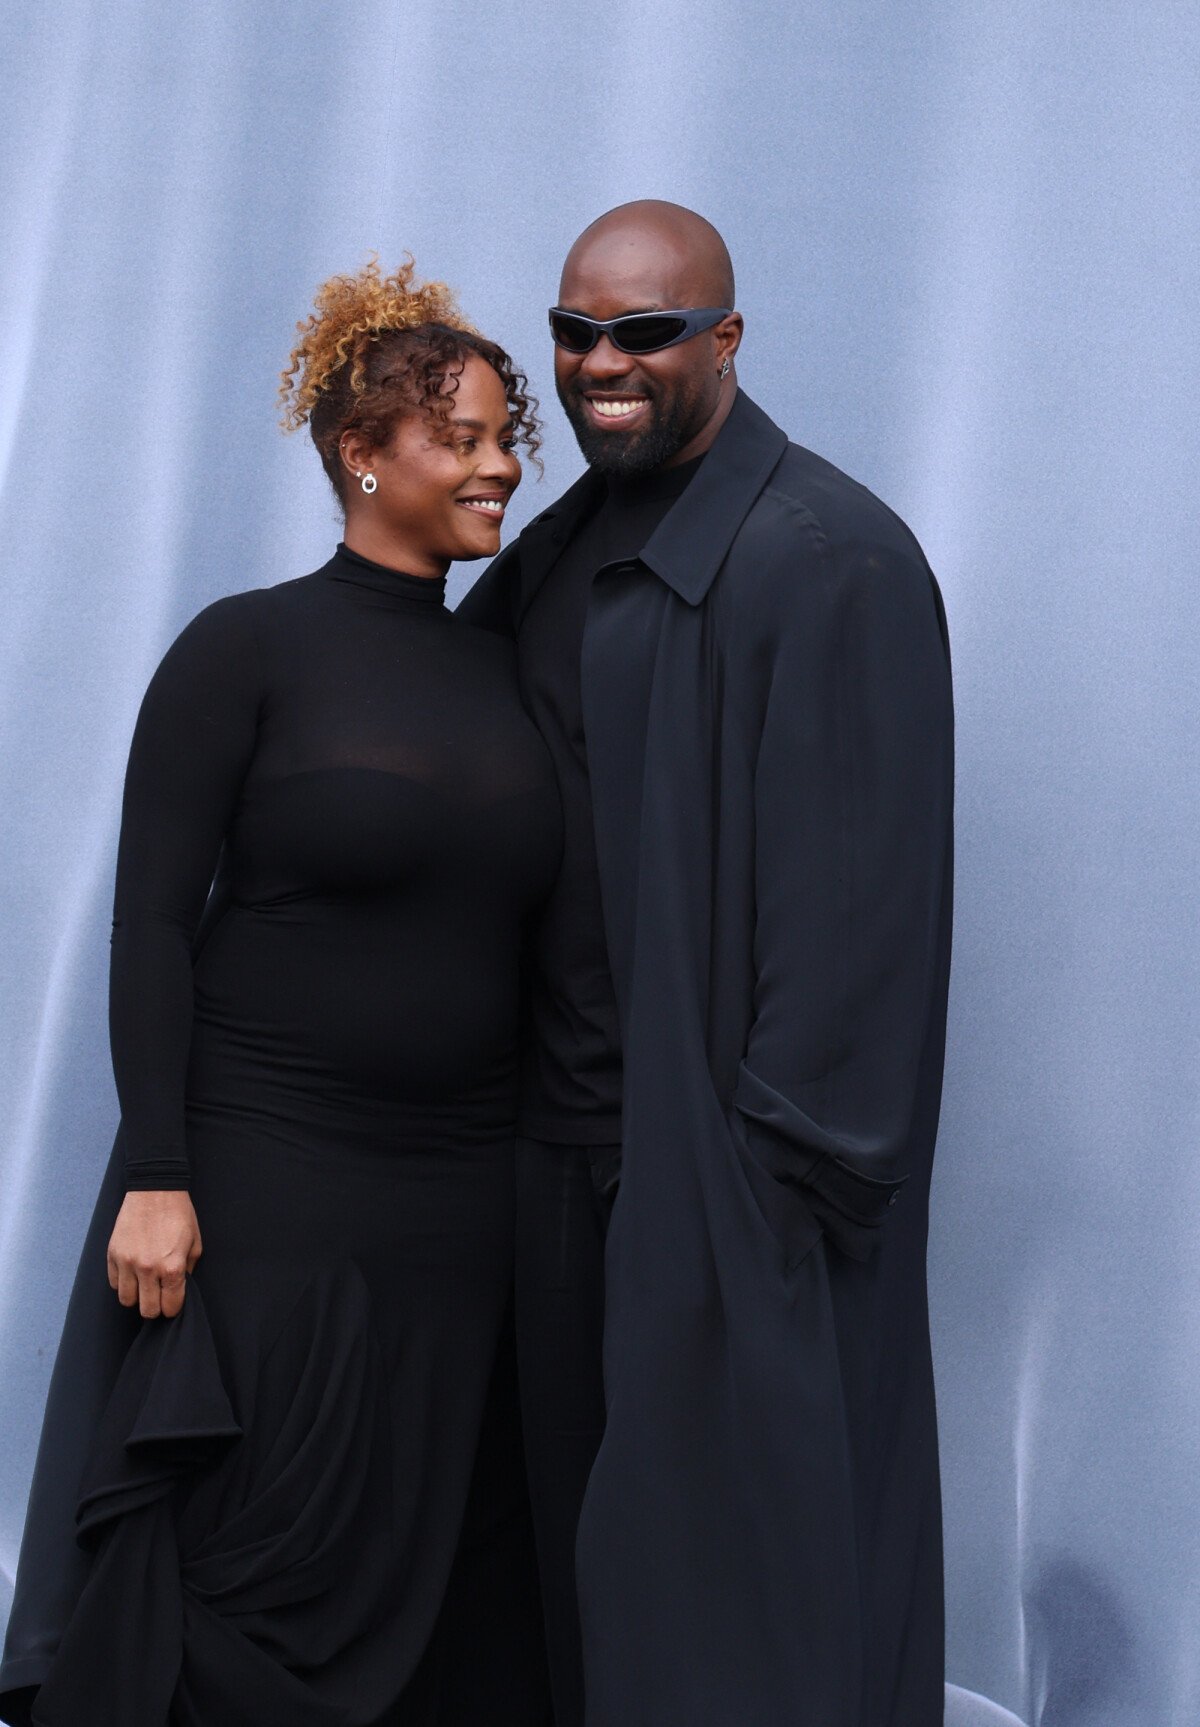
(571, 1080)
(390, 823)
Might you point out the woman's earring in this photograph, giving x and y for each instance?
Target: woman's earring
(724, 372)
(368, 483)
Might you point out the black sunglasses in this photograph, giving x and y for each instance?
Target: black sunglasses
(635, 332)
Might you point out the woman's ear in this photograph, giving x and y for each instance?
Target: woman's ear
(356, 451)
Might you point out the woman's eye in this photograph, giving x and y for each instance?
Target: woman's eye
(508, 445)
(466, 445)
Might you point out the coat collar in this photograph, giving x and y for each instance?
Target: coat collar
(693, 539)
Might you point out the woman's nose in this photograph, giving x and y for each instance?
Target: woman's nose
(501, 464)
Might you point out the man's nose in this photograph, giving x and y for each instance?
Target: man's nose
(604, 362)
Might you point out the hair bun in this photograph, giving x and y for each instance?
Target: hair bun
(350, 311)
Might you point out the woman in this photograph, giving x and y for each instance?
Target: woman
(317, 1102)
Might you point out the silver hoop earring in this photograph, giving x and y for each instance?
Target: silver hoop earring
(368, 483)
(724, 372)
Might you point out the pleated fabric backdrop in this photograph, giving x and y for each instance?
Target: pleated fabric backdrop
(966, 238)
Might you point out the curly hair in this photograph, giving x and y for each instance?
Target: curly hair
(378, 347)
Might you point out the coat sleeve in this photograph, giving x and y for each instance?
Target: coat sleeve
(853, 809)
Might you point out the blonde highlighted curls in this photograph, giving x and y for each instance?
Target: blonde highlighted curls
(377, 347)
(350, 312)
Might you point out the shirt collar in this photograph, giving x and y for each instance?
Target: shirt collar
(693, 539)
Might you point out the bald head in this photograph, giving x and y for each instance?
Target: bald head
(636, 408)
(653, 239)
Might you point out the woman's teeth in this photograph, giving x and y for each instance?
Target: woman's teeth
(490, 506)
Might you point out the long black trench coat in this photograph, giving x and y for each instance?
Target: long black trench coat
(768, 717)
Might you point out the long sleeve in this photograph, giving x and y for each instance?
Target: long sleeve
(191, 747)
(853, 799)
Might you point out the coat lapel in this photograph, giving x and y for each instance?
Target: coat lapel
(544, 538)
(693, 539)
(631, 716)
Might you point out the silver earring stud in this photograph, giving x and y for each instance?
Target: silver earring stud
(724, 373)
(368, 483)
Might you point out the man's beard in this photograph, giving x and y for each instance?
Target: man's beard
(625, 455)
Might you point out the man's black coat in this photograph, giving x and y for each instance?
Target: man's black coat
(768, 717)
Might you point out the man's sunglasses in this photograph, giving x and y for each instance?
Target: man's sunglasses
(635, 332)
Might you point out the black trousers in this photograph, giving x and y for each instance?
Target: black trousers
(564, 1199)
(486, 1665)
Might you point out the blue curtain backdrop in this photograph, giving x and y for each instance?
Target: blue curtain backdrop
(966, 239)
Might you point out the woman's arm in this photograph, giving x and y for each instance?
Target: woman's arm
(191, 748)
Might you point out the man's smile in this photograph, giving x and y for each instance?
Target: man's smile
(616, 410)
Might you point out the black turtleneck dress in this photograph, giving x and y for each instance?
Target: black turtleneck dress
(271, 1511)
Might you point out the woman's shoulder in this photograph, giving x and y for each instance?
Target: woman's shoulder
(247, 612)
(251, 605)
(234, 644)
(230, 634)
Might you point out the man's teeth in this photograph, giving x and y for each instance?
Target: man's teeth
(617, 410)
(492, 504)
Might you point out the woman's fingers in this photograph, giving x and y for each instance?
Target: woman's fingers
(127, 1285)
(149, 1293)
(172, 1289)
(155, 1242)
(162, 1286)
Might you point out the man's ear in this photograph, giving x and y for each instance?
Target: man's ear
(728, 335)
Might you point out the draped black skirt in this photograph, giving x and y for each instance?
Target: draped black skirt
(301, 1502)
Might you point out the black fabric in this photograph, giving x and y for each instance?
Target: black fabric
(388, 825)
(565, 1195)
(571, 1078)
(770, 736)
(275, 1490)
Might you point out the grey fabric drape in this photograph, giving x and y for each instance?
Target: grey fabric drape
(966, 243)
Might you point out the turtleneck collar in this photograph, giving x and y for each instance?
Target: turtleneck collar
(427, 592)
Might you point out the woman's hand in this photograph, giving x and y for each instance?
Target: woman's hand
(155, 1243)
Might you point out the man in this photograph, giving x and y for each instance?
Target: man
(738, 658)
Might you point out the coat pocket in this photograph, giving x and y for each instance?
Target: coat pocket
(782, 1205)
(801, 1157)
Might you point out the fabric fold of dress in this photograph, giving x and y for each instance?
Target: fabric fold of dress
(300, 1502)
(246, 1574)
